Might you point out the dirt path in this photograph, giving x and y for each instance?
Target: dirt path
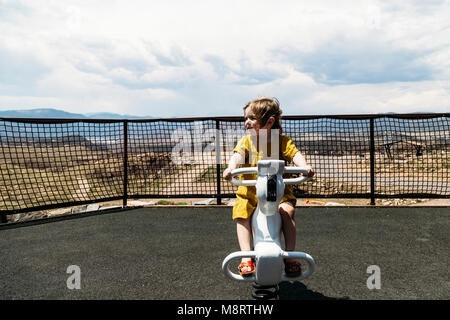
(84, 188)
(343, 170)
(179, 186)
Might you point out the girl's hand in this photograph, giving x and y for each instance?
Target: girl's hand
(310, 171)
(227, 174)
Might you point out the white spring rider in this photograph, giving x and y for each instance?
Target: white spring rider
(266, 225)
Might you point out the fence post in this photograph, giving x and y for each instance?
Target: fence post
(372, 163)
(125, 162)
(218, 160)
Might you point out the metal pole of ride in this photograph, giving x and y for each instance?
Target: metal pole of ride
(372, 163)
(218, 150)
(125, 163)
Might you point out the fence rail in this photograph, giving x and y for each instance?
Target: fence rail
(52, 163)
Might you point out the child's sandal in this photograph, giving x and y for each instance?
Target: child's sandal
(246, 268)
(292, 268)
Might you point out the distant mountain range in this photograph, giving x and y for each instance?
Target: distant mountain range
(59, 114)
(111, 132)
(54, 113)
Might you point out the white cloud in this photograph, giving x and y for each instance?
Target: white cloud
(426, 96)
(180, 58)
(350, 61)
(28, 102)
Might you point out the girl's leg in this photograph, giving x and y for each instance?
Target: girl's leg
(244, 232)
(287, 212)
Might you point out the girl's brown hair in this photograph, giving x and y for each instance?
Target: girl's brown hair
(264, 108)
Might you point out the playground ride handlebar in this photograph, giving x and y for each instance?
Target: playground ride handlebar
(254, 170)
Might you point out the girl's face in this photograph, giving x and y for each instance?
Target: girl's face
(251, 122)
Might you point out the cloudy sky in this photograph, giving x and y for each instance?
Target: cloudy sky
(167, 58)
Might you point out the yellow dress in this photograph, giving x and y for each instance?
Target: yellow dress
(246, 200)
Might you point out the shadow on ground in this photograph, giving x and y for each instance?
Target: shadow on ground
(298, 291)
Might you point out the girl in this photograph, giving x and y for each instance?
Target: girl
(264, 114)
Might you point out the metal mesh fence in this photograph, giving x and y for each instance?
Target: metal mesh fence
(412, 156)
(337, 150)
(48, 163)
(56, 163)
(169, 158)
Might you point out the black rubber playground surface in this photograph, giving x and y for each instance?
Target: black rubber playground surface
(176, 253)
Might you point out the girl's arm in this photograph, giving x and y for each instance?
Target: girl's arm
(234, 163)
(300, 161)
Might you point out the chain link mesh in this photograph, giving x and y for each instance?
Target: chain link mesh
(55, 163)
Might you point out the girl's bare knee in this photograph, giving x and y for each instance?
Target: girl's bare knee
(286, 209)
(243, 221)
